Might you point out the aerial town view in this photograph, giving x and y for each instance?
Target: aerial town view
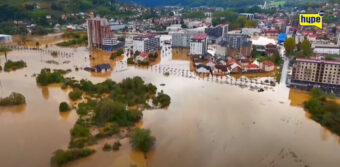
(169, 83)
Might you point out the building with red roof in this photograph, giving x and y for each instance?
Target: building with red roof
(272, 32)
(268, 66)
(199, 44)
(252, 67)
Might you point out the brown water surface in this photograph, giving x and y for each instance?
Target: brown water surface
(207, 123)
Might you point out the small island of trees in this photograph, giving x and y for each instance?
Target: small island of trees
(14, 65)
(142, 140)
(13, 99)
(64, 107)
(104, 109)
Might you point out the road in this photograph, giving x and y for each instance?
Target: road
(284, 67)
(284, 71)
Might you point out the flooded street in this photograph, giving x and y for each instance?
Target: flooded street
(206, 124)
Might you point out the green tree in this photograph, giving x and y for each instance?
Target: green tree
(13, 99)
(63, 107)
(75, 94)
(306, 48)
(251, 23)
(142, 140)
(289, 45)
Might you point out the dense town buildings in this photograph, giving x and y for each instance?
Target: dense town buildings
(215, 34)
(182, 38)
(237, 45)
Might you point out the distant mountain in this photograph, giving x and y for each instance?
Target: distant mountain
(195, 3)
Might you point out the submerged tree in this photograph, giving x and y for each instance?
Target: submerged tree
(142, 140)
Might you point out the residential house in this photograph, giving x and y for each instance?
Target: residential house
(268, 66)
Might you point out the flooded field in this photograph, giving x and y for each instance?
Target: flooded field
(208, 123)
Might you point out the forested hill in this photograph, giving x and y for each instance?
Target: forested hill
(195, 3)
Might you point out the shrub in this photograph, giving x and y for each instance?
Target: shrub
(116, 146)
(106, 109)
(75, 94)
(13, 99)
(162, 99)
(120, 52)
(80, 131)
(81, 142)
(108, 131)
(107, 147)
(47, 77)
(130, 61)
(63, 107)
(143, 63)
(324, 110)
(61, 157)
(142, 140)
(14, 65)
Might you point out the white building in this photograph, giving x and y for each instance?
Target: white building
(174, 27)
(182, 38)
(146, 43)
(199, 44)
(5, 38)
(327, 49)
(251, 31)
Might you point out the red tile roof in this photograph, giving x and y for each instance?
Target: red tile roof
(271, 31)
(268, 63)
(200, 37)
(318, 61)
(143, 54)
(254, 66)
(231, 61)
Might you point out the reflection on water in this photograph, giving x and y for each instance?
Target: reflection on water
(45, 92)
(13, 109)
(207, 123)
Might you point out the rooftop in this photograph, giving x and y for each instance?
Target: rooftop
(200, 37)
(318, 61)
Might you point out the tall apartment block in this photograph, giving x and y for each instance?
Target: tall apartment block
(316, 72)
(146, 43)
(199, 45)
(98, 31)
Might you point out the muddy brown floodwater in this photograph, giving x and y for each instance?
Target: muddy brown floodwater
(207, 123)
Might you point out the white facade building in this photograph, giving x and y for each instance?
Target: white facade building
(138, 45)
(5, 38)
(199, 44)
(146, 43)
(327, 49)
